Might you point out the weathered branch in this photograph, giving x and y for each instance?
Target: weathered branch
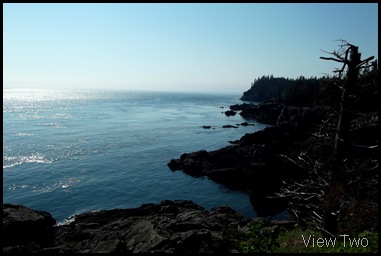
(292, 161)
(317, 215)
(363, 146)
(316, 219)
(280, 115)
(365, 61)
(326, 58)
(325, 231)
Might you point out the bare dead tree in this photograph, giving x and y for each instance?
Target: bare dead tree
(349, 55)
(309, 198)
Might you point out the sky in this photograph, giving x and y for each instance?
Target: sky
(177, 47)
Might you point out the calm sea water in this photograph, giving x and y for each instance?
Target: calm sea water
(71, 151)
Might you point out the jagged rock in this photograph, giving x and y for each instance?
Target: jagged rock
(266, 112)
(171, 226)
(244, 106)
(143, 237)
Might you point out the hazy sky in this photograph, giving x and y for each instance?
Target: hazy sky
(177, 47)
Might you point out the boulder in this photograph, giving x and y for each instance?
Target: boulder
(26, 230)
(230, 113)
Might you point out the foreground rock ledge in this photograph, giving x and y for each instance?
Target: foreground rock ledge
(171, 226)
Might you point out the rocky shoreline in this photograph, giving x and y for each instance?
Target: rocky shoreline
(168, 227)
(289, 165)
(171, 226)
(259, 163)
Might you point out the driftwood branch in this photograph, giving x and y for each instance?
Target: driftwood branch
(325, 231)
(292, 161)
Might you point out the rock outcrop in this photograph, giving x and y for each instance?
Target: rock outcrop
(297, 149)
(26, 228)
(259, 161)
(266, 112)
(171, 226)
(253, 163)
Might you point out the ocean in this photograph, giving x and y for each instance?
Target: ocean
(72, 151)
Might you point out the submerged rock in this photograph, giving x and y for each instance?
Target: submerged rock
(229, 126)
(230, 113)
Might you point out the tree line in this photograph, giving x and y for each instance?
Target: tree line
(302, 91)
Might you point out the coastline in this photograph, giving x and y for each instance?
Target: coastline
(259, 162)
